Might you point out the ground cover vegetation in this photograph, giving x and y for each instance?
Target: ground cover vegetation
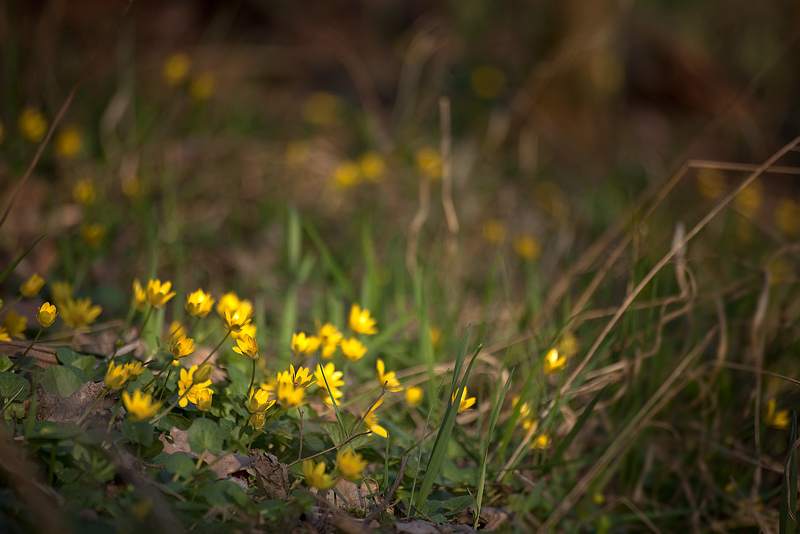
(414, 292)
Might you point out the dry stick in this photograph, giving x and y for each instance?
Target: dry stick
(373, 514)
(757, 339)
(56, 121)
(416, 224)
(610, 456)
(446, 145)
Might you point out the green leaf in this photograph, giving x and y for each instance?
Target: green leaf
(5, 363)
(51, 430)
(171, 420)
(180, 464)
(13, 386)
(456, 505)
(565, 443)
(138, 432)
(68, 356)
(63, 380)
(205, 434)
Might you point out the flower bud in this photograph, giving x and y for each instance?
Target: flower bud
(202, 373)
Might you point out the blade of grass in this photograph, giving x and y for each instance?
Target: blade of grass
(786, 523)
(13, 266)
(487, 443)
(328, 260)
(446, 429)
(565, 443)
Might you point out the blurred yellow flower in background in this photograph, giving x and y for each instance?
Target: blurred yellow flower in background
(84, 192)
(322, 109)
(414, 396)
(387, 378)
(553, 363)
(203, 86)
(787, 217)
(31, 286)
(488, 81)
(68, 143)
(140, 406)
(494, 231)
(527, 247)
(361, 322)
(32, 125)
(749, 200)
(199, 303)
(15, 324)
(372, 166)
(79, 313)
(776, 418)
(92, 234)
(350, 464)
(429, 163)
(711, 183)
(176, 69)
(346, 175)
(316, 476)
(352, 349)
(158, 294)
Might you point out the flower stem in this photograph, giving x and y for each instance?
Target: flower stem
(172, 406)
(39, 333)
(93, 405)
(216, 348)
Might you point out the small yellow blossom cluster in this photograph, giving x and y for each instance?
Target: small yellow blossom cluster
(193, 387)
(428, 163)
(776, 418)
(118, 375)
(176, 71)
(329, 338)
(258, 406)
(349, 464)
(541, 439)
(556, 358)
(369, 167)
(140, 405)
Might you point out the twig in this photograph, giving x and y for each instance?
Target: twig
(373, 514)
(300, 451)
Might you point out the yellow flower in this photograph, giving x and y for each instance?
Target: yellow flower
(92, 234)
(710, 183)
(68, 143)
(303, 344)
(542, 441)
(494, 231)
(175, 332)
(203, 399)
(352, 349)
(329, 374)
(527, 247)
(316, 476)
(487, 81)
(131, 186)
(46, 314)
(134, 369)
(79, 313)
(350, 464)
(15, 324)
(361, 322)
(141, 406)
(236, 320)
(749, 200)
(32, 125)
(186, 383)
(322, 109)
(289, 395)
(787, 217)
(465, 403)
(31, 286)
(199, 303)
(61, 291)
(371, 166)
(567, 345)
(436, 337)
(330, 338)
(346, 175)
(116, 376)
(371, 420)
(429, 163)
(84, 192)
(776, 418)
(181, 347)
(4, 334)
(176, 69)
(414, 396)
(247, 330)
(230, 302)
(300, 378)
(157, 293)
(139, 295)
(387, 378)
(203, 86)
(553, 363)
(202, 375)
(259, 401)
(247, 346)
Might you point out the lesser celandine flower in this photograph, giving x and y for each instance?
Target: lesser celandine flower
(322, 109)
(350, 464)
(749, 200)
(92, 234)
(289, 395)
(228, 302)
(139, 295)
(176, 69)
(436, 337)
(248, 329)
(465, 403)
(67, 143)
(346, 175)
(61, 291)
(710, 183)
(414, 396)
(371, 420)
(31, 286)
(567, 345)
(79, 313)
(158, 294)
(429, 163)
(247, 346)
(352, 349)
(303, 344)
(141, 406)
(527, 247)
(301, 377)
(387, 378)
(131, 186)
(330, 337)
(203, 399)
(4, 334)
(32, 125)
(257, 420)
(175, 332)
(787, 216)
(776, 418)
(203, 86)
(259, 401)
(181, 347)
(134, 369)
(15, 324)
(46, 314)
(361, 322)
(84, 192)
(542, 441)
(234, 321)
(494, 231)
(553, 363)
(199, 303)
(371, 166)
(116, 376)
(329, 375)
(188, 382)
(316, 476)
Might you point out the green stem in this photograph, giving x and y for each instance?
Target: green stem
(172, 406)
(93, 405)
(146, 318)
(39, 333)
(216, 348)
(164, 383)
